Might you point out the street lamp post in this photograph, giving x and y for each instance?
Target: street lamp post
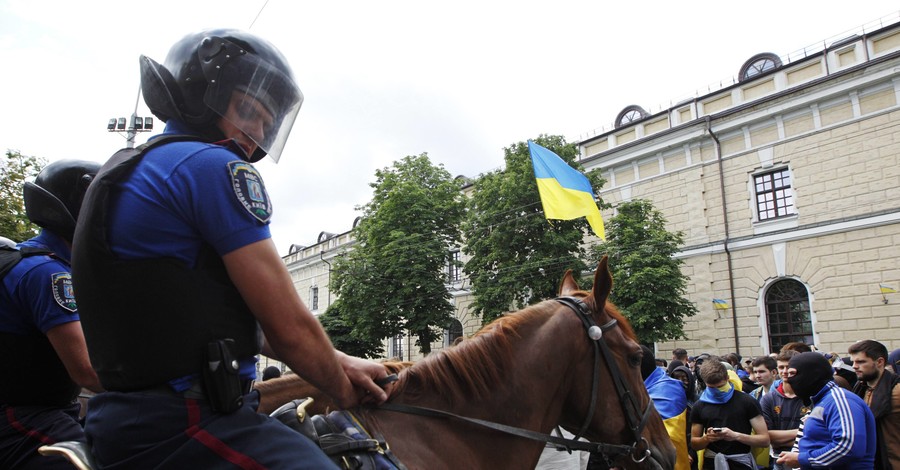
(137, 124)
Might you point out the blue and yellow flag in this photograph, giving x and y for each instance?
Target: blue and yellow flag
(720, 304)
(886, 289)
(566, 194)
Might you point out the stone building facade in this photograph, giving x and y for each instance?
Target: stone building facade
(310, 269)
(786, 185)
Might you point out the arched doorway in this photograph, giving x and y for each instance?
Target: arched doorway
(788, 315)
(453, 332)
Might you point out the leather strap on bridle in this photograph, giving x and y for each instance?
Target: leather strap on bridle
(607, 449)
(636, 419)
(581, 310)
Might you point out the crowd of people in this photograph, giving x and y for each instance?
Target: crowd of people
(796, 408)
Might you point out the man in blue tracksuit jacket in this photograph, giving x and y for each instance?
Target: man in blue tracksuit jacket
(839, 432)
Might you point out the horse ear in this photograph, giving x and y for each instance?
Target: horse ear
(602, 281)
(568, 286)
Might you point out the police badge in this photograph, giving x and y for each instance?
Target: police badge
(63, 291)
(250, 191)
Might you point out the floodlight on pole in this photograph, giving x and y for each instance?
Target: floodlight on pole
(136, 124)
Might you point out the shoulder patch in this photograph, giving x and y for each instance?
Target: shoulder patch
(63, 291)
(817, 412)
(249, 190)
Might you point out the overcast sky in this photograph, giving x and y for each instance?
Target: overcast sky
(387, 79)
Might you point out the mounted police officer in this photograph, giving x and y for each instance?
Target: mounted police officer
(43, 357)
(176, 273)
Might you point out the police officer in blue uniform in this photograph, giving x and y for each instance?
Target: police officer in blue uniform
(177, 274)
(43, 357)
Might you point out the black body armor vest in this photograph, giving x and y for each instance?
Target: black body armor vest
(149, 321)
(33, 373)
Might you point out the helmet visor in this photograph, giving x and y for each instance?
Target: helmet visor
(256, 98)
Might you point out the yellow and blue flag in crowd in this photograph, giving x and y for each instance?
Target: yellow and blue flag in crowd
(886, 289)
(566, 194)
(720, 304)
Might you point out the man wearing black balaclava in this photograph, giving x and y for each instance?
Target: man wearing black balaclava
(839, 432)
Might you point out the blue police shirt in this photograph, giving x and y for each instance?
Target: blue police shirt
(183, 195)
(37, 293)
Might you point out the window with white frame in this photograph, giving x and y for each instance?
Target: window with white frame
(314, 298)
(774, 195)
(453, 267)
(396, 348)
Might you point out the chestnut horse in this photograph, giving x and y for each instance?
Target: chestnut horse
(570, 362)
(533, 369)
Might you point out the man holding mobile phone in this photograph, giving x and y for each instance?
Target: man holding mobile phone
(722, 422)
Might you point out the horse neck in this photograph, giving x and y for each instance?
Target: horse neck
(527, 390)
(517, 376)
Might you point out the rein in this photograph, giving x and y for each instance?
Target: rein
(636, 419)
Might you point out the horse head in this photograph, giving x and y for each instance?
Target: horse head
(612, 353)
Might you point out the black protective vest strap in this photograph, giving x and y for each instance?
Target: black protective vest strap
(149, 321)
(10, 257)
(34, 374)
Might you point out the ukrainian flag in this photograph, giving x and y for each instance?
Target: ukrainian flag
(886, 289)
(720, 304)
(566, 194)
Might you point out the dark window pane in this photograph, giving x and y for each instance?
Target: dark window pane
(787, 313)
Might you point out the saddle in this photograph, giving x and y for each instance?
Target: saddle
(340, 435)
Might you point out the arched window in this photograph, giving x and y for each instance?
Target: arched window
(788, 314)
(453, 332)
(759, 64)
(630, 114)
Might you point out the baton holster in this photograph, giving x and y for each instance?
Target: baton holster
(221, 380)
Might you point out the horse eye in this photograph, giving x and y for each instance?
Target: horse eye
(635, 359)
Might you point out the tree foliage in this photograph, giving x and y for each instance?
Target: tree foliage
(394, 278)
(649, 285)
(17, 168)
(516, 255)
(342, 335)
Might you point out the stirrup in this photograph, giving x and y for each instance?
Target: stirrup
(79, 453)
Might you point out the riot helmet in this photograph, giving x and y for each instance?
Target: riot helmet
(205, 73)
(53, 200)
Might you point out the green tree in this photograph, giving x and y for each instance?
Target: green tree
(14, 224)
(393, 281)
(342, 335)
(516, 255)
(649, 285)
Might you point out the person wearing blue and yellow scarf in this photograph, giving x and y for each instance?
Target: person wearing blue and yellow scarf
(726, 423)
(671, 402)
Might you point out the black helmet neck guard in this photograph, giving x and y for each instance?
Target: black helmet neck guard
(53, 200)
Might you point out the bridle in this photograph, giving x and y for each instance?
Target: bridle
(637, 419)
(638, 450)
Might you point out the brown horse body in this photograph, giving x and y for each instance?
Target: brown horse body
(531, 369)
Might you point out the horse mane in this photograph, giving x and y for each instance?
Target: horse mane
(473, 367)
